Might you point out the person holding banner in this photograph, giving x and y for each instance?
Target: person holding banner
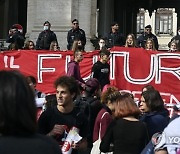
(147, 34)
(149, 45)
(130, 41)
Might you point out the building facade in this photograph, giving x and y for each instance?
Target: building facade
(95, 17)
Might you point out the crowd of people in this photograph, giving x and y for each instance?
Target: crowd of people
(82, 119)
(76, 39)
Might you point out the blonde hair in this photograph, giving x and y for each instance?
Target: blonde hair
(153, 45)
(26, 45)
(52, 45)
(133, 41)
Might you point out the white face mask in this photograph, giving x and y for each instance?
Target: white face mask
(179, 33)
(101, 45)
(46, 27)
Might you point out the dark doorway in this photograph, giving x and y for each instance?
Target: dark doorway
(12, 12)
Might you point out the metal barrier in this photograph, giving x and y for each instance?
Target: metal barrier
(3, 45)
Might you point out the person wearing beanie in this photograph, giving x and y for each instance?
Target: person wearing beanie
(15, 36)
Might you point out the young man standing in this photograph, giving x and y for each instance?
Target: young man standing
(74, 69)
(57, 121)
(101, 69)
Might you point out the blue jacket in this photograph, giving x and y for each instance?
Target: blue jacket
(155, 121)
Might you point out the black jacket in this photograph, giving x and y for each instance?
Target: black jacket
(75, 34)
(177, 39)
(17, 38)
(44, 40)
(141, 41)
(101, 72)
(115, 39)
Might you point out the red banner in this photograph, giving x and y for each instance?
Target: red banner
(131, 69)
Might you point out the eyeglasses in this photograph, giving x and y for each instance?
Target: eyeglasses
(75, 23)
(101, 42)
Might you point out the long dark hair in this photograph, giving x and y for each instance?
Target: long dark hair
(153, 100)
(17, 105)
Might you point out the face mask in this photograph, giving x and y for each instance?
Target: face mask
(173, 49)
(101, 45)
(179, 32)
(46, 27)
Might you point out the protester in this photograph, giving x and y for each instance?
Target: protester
(59, 120)
(77, 45)
(50, 101)
(155, 115)
(29, 45)
(142, 39)
(176, 39)
(76, 34)
(101, 69)
(173, 46)
(74, 69)
(126, 133)
(114, 37)
(130, 41)
(32, 83)
(101, 44)
(104, 116)
(45, 37)
(54, 46)
(18, 118)
(147, 87)
(39, 96)
(89, 103)
(149, 45)
(13, 46)
(15, 37)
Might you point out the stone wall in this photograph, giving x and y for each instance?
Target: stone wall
(60, 13)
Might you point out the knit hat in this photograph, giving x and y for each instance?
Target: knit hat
(92, 84)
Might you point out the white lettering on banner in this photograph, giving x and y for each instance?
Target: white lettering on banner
(68, 59)
(155, 68)
(5, 61)
(42, 57)
(160, 69)
(11, 62)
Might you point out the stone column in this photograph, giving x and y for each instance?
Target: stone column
(87, 20)
(57, 12)
(106, 16)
